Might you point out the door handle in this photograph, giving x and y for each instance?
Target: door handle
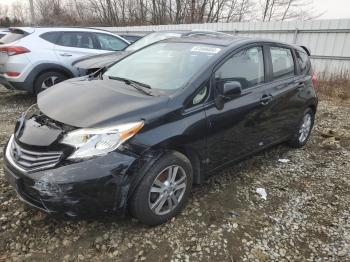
(299, 84)
(266, 99)
(65, 54)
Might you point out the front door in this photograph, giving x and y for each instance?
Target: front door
(242, 125)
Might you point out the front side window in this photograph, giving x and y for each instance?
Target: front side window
(200, 96)
(76, 39)
(303, 62)
(165, 66)
(246, 67)
(111, 43)
(282, 62)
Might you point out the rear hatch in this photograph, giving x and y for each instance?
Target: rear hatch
(11, 39)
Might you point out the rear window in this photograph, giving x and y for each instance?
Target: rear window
(50, 37)
(303, 62)
(282, 62)
(13, 36)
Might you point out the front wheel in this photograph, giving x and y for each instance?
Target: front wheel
(164, 190)
(303, 131)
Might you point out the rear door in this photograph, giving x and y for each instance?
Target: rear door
(285, 87)
(71, 46)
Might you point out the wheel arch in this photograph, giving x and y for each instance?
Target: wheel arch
(43, 68)
(150, 156)
(181, 144)
(313, 107)
(195, 161)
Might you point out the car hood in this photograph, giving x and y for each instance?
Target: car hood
(99, 61)
(94, 103)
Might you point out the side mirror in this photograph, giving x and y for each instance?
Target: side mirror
(229, 90)
(232, 89)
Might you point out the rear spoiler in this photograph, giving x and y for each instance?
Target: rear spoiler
(307, 50)
(21, 31)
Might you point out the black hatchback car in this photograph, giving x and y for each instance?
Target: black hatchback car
(158, 121)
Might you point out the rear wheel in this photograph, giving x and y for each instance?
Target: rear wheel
(48, 79)
(303, 131)
(164, 190)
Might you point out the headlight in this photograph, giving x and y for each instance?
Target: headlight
(99, 141)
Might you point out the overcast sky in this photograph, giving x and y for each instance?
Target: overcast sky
(334, 8)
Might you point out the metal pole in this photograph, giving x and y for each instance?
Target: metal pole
(32, 16)
(295, 37)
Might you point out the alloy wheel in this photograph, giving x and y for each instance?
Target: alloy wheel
(48, 82)
(305, 128)
(167, 190)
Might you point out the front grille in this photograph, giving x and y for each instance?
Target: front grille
(33, 160)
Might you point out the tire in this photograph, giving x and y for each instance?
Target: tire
(143, 199)
(48, 79)
(297, 140)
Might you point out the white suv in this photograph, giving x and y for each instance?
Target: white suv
(34, 58)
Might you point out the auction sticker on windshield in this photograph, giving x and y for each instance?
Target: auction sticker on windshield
(206, 49)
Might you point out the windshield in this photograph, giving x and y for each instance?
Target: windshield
(164, 66)
(150, 39)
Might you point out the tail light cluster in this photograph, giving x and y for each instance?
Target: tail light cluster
(11, 51)
(314, 79)
(14, 50)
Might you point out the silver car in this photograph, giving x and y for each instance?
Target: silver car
(33, 59)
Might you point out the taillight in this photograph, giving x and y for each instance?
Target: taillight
(314, 79)
(14, 50)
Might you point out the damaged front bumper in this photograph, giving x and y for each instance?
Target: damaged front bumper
(89, 187)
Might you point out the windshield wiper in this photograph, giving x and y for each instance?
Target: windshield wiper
(137, 85)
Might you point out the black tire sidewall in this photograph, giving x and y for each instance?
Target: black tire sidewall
(139, 206)
(295, 142)
(40, 79)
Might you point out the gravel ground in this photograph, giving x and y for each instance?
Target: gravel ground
(306, 216)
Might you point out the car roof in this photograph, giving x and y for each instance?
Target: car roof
(188, 32)
(207, 39)
(52, 29)
(227, 40)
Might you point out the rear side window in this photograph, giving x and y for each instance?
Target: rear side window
(246, 67)
(51, 37)
(109, 42)
(303, 62)
(13, 36)
(76, 39)
(282, 62)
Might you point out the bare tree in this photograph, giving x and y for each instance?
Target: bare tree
(281, 10)
(20, 11)
(144, 12)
